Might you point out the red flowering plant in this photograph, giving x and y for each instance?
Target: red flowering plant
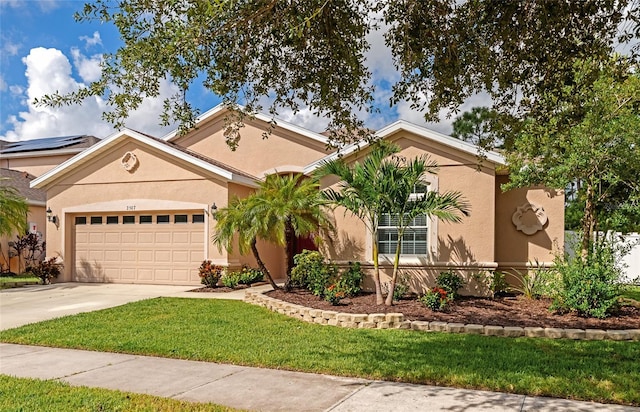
(435, 299)
(210, 273)
(333, 294)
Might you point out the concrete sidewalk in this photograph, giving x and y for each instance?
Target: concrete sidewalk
(261, 389)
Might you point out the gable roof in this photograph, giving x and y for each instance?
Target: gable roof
(219, 109)
(402, 125)
(225, 172)
(21, 182)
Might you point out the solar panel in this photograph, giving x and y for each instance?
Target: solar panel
(48, 143)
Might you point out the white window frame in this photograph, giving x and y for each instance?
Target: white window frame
(408, 231)
(432, 237)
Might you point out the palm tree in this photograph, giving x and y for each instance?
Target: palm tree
(237, 219)
(283, 208)
(404, 204)
(13, 213)
(361, 192)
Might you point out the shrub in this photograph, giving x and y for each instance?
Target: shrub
(498, 283)
(209, 273)
(402, 287)
(435, 299)
(249, 275)
(450, 282)
(535, 282)
(333, 294)
(46, 270)
(231, 279)
(312, 272)
(350, 281)
(589, 285)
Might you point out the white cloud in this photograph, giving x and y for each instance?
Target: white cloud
(91, 41)
(3, 84)
(10, 48)
(88, 67)
(49, 71)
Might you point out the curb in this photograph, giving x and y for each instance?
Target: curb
(397, 321)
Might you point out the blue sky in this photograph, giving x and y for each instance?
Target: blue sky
(43, 49)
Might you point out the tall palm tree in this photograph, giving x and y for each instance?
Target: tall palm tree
(283, 208)
(404, 204)
(361, 192)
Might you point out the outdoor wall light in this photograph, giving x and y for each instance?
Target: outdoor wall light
(50, 217)
(214, 208)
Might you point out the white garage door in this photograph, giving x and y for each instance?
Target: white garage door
(158, 247)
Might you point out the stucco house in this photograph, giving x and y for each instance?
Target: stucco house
(134, 208)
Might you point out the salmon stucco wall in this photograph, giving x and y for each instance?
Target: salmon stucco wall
(34, 165)
(282, 151)
(467, 247)
(159, 182)
(516, 248)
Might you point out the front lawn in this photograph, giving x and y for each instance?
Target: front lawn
(19, 394)
(239, 333)
(9, 281)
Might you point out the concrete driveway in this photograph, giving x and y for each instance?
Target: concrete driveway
(37, 303)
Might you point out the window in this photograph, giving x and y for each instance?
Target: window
(112, 220)
(197, 218)
(145, 219)
(81, 220)
(162, 219)
(128, 220)
(414, 240)
(96, 220)
(180, 219)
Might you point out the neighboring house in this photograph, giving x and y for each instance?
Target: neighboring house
(21, 162)
(138, 209)
(36, 199)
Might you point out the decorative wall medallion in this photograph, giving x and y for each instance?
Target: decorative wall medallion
(129, 162)
(529, 218)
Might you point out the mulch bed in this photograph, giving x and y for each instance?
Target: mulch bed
(505, 311)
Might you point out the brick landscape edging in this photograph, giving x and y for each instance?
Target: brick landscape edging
(397, 321)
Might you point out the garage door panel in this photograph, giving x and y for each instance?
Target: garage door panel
(163, 238)
(96, 237)
(113, 238)
(129, 237)
(139, 253)
(145, 238)
(180, 275)
(181, 237)
(128, 274)
(145, 256)
(112, 256)
(162, 256)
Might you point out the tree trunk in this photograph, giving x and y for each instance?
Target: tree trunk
(394, 276)
(376, 269)
(588, 221)
(261, 265)
(289, 236)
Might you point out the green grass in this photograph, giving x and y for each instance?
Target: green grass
(7, 281)
(19, 394)
(239, 333)
(631, 292)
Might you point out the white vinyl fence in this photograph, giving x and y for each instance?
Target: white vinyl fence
(631, 260)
